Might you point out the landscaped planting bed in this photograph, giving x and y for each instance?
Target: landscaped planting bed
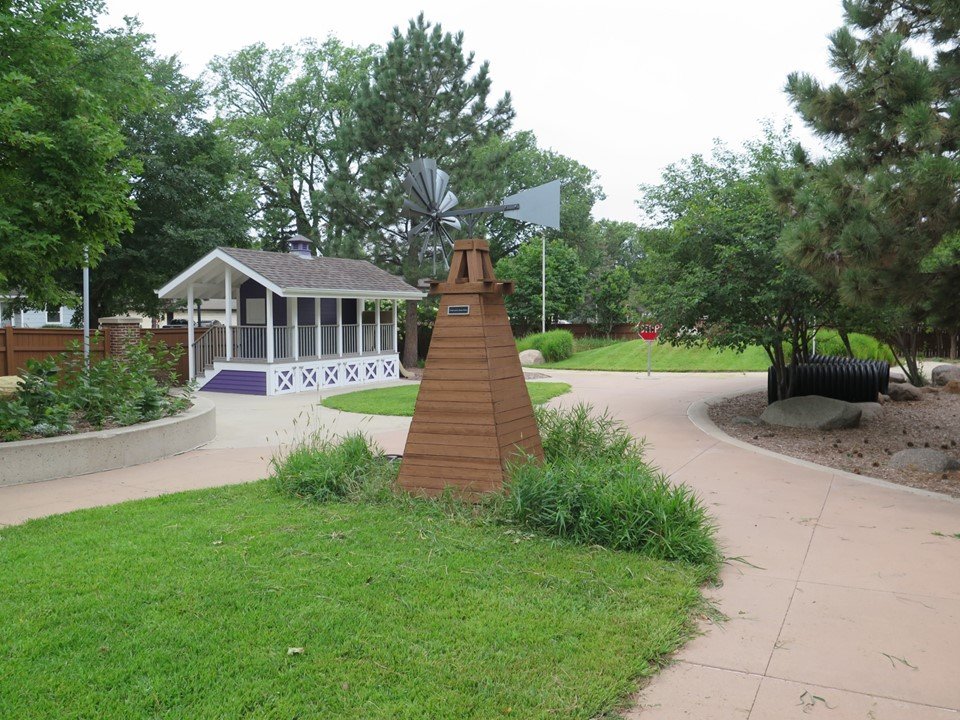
(932, 422)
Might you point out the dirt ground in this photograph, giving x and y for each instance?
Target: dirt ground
(931, 422)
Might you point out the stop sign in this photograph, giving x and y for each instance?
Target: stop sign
(649, 334)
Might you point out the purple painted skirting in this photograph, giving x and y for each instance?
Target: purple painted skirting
(243, 382)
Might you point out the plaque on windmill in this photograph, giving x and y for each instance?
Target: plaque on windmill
(473, 412)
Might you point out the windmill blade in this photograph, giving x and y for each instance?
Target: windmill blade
(450, 221)
(448, 203)
(413, 209)
(440, 183)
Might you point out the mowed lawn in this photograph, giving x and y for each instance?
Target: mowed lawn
(632, 356)
(239, 603)
(401, 399)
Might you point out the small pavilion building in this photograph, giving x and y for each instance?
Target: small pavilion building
(302, 322)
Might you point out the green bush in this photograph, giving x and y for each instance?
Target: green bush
(57, 394)
(596, 489)
(322, 469)
(555, 345)
(864, 347)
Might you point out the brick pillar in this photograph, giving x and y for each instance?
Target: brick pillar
(119, 333)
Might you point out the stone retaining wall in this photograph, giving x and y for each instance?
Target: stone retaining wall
(27, 461)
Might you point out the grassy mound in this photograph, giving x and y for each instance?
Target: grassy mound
(400, 400)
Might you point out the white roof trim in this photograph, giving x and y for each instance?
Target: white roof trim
(172, 288)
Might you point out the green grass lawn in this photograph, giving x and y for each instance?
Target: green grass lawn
(185, 606)
(400, 400)
(631, 355)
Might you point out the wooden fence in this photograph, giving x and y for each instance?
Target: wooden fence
(17, 345)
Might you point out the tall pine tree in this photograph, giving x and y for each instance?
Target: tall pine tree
(880, 222)
(425, 98)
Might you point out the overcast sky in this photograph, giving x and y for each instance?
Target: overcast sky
(623, 87)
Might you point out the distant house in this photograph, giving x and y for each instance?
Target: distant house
(57, 316)
(298, 322)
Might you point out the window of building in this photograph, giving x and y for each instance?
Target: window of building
(53, 316)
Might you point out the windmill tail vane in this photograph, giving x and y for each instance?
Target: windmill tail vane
(431, 209)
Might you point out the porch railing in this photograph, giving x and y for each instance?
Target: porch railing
(250, 342)
(349, 339)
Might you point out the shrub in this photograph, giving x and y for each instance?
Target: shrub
(555, 345)
(322, 469)
(595, 488)
(578, 433)
(57, 393)
(865, 347)
(620, 504)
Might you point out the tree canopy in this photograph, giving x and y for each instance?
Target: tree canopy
(65, 86)
(715, 274)
(880, 220)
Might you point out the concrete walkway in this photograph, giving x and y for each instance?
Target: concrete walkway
(843, 602)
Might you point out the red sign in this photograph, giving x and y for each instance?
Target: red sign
(649, 334)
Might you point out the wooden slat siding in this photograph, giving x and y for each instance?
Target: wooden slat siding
(473, 412)
(241, 382)
(22, 344)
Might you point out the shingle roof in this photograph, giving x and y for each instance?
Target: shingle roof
(293, 271)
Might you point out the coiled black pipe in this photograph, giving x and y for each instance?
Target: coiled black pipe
(841, 378)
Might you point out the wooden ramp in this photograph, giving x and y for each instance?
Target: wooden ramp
(473, 412)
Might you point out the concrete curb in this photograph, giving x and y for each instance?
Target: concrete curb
(699, 415)
(29, 461)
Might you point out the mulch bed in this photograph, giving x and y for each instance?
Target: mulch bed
(931, 422)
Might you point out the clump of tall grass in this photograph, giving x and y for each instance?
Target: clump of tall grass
(554, 344)
(323, 469)
(595, 488)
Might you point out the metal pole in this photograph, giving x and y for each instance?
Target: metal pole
(649, 356)
(543, 284)
(86, 307)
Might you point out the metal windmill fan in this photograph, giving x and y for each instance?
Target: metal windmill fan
(430, 206)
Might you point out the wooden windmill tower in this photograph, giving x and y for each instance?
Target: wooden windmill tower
(473, 412)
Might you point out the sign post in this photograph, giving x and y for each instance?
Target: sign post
(650, 333)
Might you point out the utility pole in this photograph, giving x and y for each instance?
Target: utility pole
(543, 284)
(86, 307)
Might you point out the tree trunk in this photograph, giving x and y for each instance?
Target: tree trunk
(905, 341)
(953, 346)
(845, 338)
(410, 346)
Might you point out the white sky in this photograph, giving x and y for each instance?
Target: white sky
(623, 87)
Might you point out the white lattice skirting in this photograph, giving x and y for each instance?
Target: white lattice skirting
(318, 374)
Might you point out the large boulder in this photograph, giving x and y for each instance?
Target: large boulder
(953, 387)
(925, 460)
(531, 357)
(942, 374)
(812, 411)
(897, 377)
(903, 392)
(869, 411)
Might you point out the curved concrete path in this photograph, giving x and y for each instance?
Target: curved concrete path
(843, 604)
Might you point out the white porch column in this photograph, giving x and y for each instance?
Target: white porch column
(191, 361)
(293, 315)
(376, 311)
(269, 325)
(228, 309)
(396, 349)
(360, 303)
(316, 321)
(340, 327)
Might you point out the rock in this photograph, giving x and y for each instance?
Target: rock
(744, 420)
(883, 399)
(925, 460)
(812, 411)
(897, 377)
(942, 374)
(531, 357)
(8, 385)
(953, 387)
(902, 392)
(869, 411)
(929, 389)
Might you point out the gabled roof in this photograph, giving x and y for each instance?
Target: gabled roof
(289, 275)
